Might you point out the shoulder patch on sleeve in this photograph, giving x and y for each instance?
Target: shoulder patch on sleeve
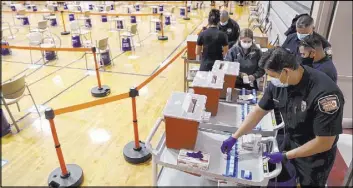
(329, 104)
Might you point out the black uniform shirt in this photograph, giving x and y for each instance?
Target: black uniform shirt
(232, 30)
(314, 107)
(326, 66)
(292, 44)
(212, 40)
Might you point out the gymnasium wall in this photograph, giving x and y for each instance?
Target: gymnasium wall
(340, 37)
(281, 15)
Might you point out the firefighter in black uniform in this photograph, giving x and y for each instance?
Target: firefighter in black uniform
(230, 27)
(304, 27)
(312, 108)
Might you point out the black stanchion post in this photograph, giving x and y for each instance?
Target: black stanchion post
(135, 152)
(63, 21)
(67, 175)
(162, 29)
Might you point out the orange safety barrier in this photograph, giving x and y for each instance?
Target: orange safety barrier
(96, 91)
(48, 49)
(162, 2)
(135, 153)
(149, 79)
(85, 105)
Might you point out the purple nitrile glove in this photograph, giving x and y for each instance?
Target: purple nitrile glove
(275, 157)
(228, 144)
(195, 155)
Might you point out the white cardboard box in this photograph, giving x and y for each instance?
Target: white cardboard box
(184, 160)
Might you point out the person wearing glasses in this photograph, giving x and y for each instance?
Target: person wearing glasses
(313, 55)
(312, 108)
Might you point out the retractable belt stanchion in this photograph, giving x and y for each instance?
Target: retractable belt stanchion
(186, 11)
(162, 30)
(100, 90)
(230, 8)
(135, 152)
(62, 18)
(70, 175)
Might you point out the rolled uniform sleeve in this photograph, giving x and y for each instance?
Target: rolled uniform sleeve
(328, 110)
(266, 102)
(224, 39)
(200, 40)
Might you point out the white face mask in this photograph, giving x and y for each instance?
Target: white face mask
(276, 82)
(223, 24)
(301, 36)
(245, 45)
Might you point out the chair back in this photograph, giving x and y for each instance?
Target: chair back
(35, 37)
(14, 88)
(74, 25)
(133, 29)
(103, 44)
(43, 24)
(172, 10)
(107, 8)
(50, 7)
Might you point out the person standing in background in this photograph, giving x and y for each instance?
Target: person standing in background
(230, 27)
(248, 55)
(314, 56)
(212, 42)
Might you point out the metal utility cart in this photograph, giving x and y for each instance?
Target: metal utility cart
(208, 141)
(187, 75)
(230, 116)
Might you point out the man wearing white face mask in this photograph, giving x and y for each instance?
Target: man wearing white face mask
(311, 105)
(248, 55)
(230, 27)
(304, 27)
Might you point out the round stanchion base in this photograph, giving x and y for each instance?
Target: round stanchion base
(74, 179)
(186, 18)
(194, 8)
(134, 156)
(162, 38)
(231, 13)
(100, 92)
(65, 33)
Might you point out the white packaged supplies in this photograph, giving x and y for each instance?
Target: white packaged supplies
(191, 162)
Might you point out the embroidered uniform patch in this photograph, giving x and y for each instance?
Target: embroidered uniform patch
(329, 104)
(229, 30)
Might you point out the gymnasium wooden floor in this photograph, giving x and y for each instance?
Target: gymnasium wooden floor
(92, 138)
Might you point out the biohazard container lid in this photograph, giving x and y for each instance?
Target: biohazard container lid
(205, 79)
(185, 106)
(227, 67)
(192, 38)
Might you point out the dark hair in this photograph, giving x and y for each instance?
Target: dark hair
(305, 21)
(312, 41)
(214, 17)
(246, 32)
(277, 58)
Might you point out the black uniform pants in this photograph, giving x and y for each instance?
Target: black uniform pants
(206, 65)
(311, 171)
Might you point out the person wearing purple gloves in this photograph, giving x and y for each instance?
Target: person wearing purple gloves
(311, 105)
